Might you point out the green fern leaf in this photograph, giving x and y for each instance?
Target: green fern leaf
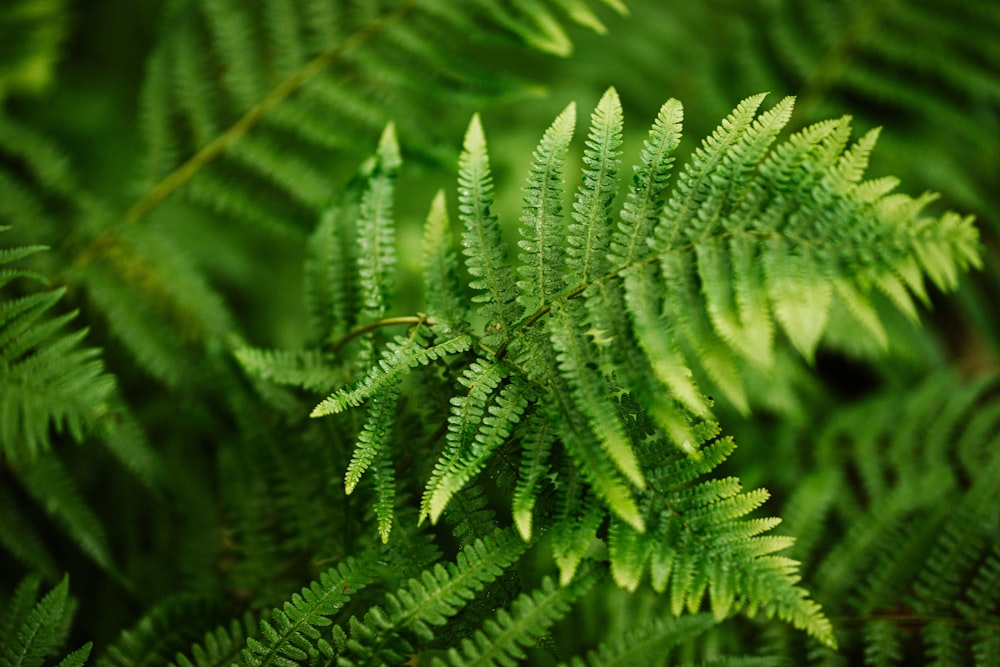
(883, 644)
(534, 467)
(168, 627)
(46, 378)
(329, 289)
(18, 606)
(294, 634)
(589, 454)
(467, 412)
(38, 627)
(607, 307)
(501, 641)
(482, 245)
(77, 658)
(573, 535)
(376, 229)
(220, 647)
(400, 356)
(657, 338)
(386, 633)
(643, 204)
(20, 537)
(589, 237)
(542, 261)
(51, 485)
(309, 369)
(646, 645)
(445, 301)
(590, 392)
(495, 428)
(374, 435)
(384, 479)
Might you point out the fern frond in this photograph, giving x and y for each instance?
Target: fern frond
(329, 288)
(573, 533)
(715, 552)
(483, 248)
(643, 204)
(542, 261)
(501, 640)
(588, 239)
(220, 647)
(400, 356)
(658, 339)
(647, 645)
(534, 468)
(590, 391)
(167, 628)
(294, 635)
(917, 534)
(470, 516)
(37, 628)
(384, 479)
(607, 308)
(467, 412)
(309, 369)
(46, 378)
(157, 302)
(387, 632)
(377, 430)
(377, 230)
(496, 426)
(754, 239)
(445, 301)
(48, 481)
(20, 537)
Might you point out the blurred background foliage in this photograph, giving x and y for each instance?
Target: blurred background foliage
(75, 73)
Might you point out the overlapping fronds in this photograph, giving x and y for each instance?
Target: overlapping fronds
(241, 110)
(678, 292)
(647, 645)
(232, 92)
(294, 636)
(911, 482)
(541, 386)
(221, 647)
(31, 630)
(164, 631)
(387, 633)
(928, 69)
(502, 640)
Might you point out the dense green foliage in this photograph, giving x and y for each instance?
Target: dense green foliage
(300, 365)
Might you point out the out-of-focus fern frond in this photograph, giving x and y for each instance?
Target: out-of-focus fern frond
(913, 565)
(31, 33)
(47, 379)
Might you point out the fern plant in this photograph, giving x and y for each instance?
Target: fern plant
(501, 425)
(598, 337)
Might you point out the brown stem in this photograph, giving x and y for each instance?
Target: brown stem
(373, 326)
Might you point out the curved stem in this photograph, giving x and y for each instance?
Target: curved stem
(373, 326)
